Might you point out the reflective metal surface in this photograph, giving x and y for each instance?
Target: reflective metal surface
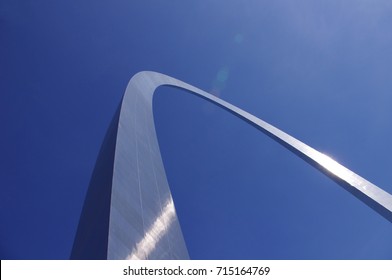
(143, 223)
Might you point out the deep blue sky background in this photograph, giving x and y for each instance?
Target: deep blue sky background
(319, 70)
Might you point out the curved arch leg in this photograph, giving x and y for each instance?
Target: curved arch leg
(142, 222)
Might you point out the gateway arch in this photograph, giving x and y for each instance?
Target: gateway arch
(129, 212)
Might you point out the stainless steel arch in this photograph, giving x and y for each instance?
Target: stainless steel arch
(143, 223)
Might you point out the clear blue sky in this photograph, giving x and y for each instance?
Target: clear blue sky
(319, 70)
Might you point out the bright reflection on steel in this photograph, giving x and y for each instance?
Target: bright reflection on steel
(333, 166)
(154, 234)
